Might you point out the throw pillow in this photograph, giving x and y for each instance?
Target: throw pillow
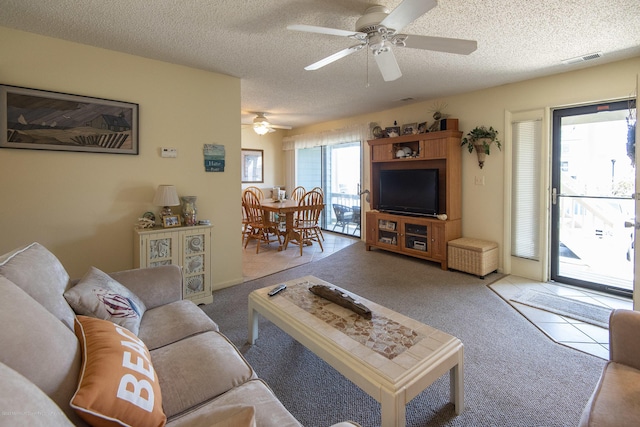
(98, 295)
(118, 384)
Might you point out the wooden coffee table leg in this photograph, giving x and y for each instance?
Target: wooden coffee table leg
(392, 409)
(253, 324)
(456, 378)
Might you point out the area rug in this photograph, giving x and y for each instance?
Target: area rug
(578, 310)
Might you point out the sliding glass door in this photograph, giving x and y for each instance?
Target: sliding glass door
(593, 212)
(336, 169)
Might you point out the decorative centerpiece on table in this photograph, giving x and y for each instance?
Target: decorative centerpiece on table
(480, 138)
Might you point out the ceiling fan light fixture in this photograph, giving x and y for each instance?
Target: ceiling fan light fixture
(261, 125)
(260, 129)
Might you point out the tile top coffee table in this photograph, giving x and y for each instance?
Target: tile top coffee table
(391, 357)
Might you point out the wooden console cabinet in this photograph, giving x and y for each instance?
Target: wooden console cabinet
(188, 247)
(422, 237)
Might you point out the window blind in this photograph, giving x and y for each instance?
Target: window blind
(525, 210)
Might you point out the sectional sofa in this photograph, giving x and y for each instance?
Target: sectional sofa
(118, 349)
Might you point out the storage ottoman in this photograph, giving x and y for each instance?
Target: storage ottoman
(475, 256)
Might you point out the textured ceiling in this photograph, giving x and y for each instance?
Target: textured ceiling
(248, 39)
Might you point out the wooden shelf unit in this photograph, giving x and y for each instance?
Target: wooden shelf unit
(434, 150)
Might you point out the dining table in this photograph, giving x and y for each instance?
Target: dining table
(288, 208)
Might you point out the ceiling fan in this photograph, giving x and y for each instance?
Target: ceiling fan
(378, 29)
(262, 126)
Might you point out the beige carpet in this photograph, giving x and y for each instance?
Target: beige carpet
(514, 375)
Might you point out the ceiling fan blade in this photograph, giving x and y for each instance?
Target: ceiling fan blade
(332, 58)
(281, 127)
(441, 44)
(388, 65)
(407, 12)
(325, 30)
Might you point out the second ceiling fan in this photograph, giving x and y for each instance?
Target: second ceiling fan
(379, 30)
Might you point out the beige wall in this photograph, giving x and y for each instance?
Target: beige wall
(83, 206)
(273, 159)
(483, 206)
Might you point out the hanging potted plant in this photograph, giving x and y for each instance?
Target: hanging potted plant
(631, 134)
(480, 138)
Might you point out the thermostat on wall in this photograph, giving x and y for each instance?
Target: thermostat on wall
(168, 152)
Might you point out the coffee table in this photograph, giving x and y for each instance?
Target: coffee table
(391, 357)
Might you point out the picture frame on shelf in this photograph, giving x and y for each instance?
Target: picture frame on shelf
(251, 162)
(37, 119)
(410, 129)
(422, 127)
(392, 131)
(170, 221)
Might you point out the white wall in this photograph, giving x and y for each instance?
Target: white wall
(83, 206)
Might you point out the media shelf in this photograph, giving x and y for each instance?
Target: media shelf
(421, 237)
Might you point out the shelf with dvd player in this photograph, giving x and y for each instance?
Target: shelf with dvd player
(420, 193)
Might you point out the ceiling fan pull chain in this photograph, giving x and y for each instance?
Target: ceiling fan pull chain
(367, 56)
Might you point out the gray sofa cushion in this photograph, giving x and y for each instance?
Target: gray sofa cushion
(39, 346)
(197, 369)
(172, 322)
(39, 273)
(24, 404)
(155, 286)
(269, 412)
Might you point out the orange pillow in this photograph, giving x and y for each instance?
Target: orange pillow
(118, 385)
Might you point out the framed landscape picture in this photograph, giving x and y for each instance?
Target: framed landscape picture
(42, 120)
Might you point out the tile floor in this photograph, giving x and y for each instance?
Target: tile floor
(573, 333)
(270, 260)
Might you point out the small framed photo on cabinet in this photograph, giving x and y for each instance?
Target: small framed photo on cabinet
(171, 221)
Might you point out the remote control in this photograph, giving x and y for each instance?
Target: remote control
(280, 287)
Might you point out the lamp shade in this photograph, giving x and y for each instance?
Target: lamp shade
(166, 195)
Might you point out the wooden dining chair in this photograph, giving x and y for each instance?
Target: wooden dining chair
(321, 191)
(259, 226)
(306, 222)
(297, 193)
(245, 221)
(255, 190)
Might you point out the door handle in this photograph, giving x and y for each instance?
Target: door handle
(554, 195)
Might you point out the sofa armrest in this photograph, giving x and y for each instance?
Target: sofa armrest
(155, 286)
(624, 337)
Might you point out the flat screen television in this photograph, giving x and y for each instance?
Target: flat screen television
(409, 191)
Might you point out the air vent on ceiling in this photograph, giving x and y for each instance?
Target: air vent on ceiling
(582, 58)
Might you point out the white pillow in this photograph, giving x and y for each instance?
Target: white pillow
(98, 295)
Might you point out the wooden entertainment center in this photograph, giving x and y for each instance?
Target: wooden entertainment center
(418, 236)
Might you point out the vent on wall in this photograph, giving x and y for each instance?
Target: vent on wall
(582, 58)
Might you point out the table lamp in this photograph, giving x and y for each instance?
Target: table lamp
(166, 196)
